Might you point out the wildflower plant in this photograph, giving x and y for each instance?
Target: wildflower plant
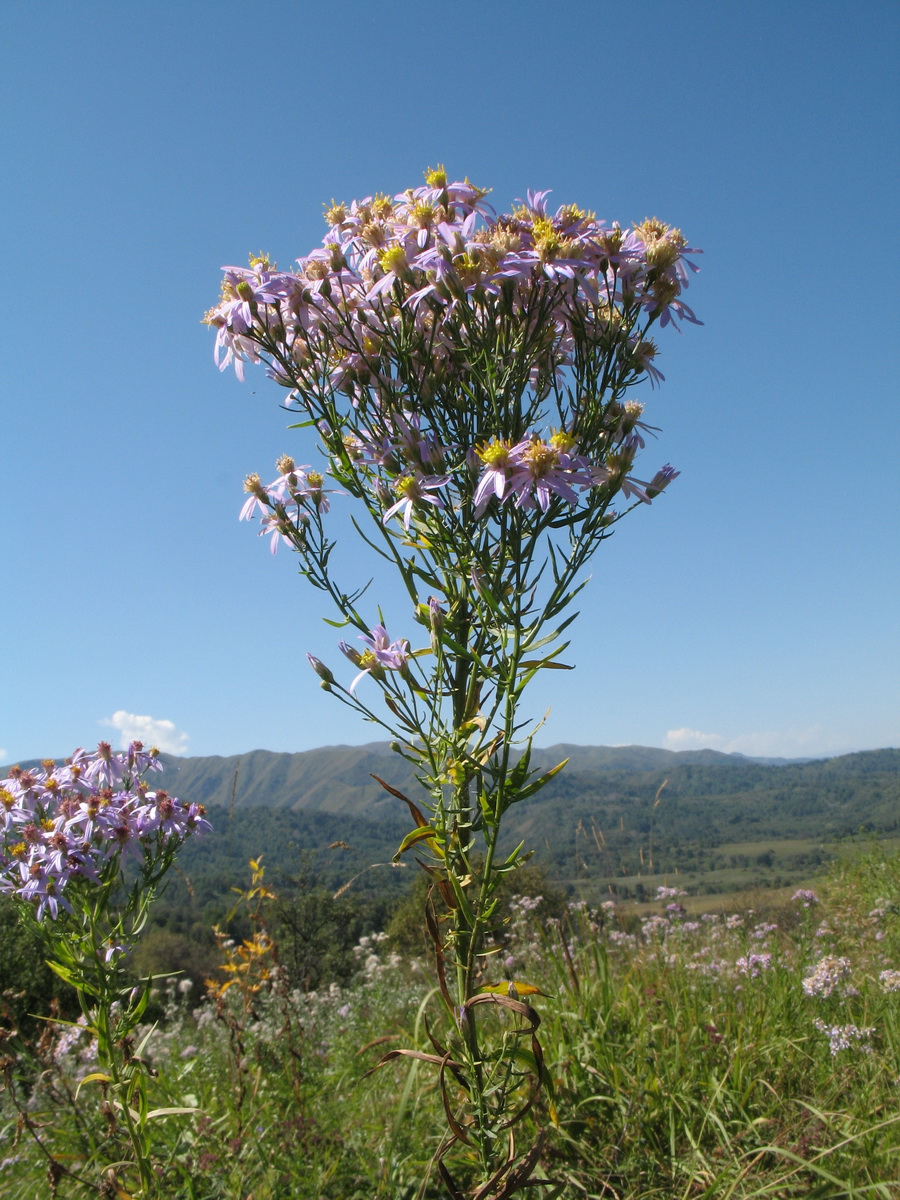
(84, 848)
(468, 376)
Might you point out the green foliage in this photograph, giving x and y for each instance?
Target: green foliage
(163, 953)
(674, 1074)
(316, 933)
(602, 825)
(27, 984)
(405, 932)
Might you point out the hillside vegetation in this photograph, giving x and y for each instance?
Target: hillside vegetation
(617, 820)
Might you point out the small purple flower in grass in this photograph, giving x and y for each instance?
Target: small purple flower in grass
(753, 965)
(669, 893)
(829, 973)
(843, 1037)
(806, 897)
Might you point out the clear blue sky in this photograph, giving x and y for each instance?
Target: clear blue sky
(755, 608)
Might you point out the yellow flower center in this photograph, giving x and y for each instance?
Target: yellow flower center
(494, 453)
(563, 442)
(393, 259)
(253, 485)
(336, 213)
(423, 214)
(541, 458)
(383, 206)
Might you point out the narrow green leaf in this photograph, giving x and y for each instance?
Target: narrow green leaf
(94, 1077)
(171, 1112)
(537, 784)
(424, 833)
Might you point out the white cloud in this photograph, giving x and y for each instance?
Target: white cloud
(148, 730)
(3, 756)
(693, 739)
(788, 743)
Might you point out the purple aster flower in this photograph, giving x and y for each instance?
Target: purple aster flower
(415, 489)
(661, 481)
(53, 831)
(829, 974)
(381, 654)
(541, 472)
(499, 463)
(258, 499)
(107, 769)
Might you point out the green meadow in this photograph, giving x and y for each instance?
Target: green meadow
(742, 1048)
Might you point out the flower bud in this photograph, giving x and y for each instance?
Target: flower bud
(661, 480)
(320, 669)
(349, 652)
(436, 614)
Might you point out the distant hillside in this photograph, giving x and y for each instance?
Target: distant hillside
(338, 779)
(615, 815)
(615, 818)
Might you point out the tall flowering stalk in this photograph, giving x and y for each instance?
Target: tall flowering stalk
(84, 847)
(466, 374)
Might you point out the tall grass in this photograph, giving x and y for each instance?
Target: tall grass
(686, 1056)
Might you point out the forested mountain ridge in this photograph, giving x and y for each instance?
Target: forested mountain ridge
(615, 815)
(339, 778)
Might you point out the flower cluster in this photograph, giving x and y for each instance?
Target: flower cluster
(843, 1037)
(286, 503)
(827, 976)
(439, 248)
(419, 303)
(753, 965)
(68, 823)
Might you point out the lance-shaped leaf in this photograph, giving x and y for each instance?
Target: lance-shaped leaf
(535, 785)
(424, 833)
(72, 977)
(519, 773)
(94, 1077)
(414, 810)
(442, 883)
(511, 987)
(514, 860)
(173, 1112)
